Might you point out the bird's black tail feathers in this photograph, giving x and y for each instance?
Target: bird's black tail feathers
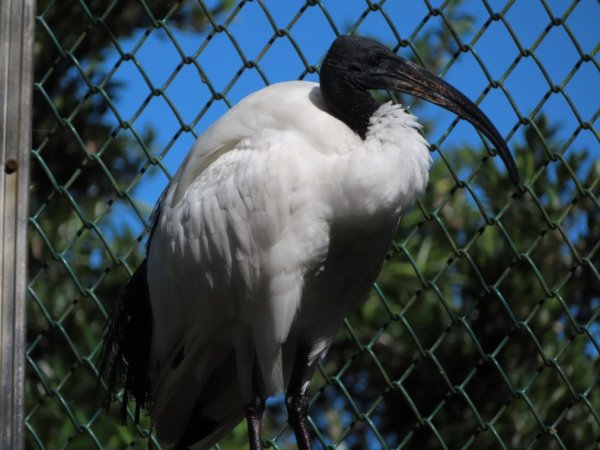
(125, 355)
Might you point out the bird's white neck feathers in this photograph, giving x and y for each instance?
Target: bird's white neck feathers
(390, 169)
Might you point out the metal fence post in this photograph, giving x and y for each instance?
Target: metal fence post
(16, 74)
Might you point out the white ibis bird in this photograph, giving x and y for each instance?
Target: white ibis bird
(274, 227)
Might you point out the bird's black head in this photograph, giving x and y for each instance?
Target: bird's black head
(355, 65)
(356, 62)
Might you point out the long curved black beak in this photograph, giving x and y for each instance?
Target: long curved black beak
(401, 75)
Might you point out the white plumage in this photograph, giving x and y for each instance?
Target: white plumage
(273, 229)
(280, 216)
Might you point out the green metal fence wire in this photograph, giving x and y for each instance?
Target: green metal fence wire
(482, 331)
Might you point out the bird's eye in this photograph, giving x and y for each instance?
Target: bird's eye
(355, 67)
(377, 59)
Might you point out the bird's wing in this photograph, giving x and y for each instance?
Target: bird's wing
(235, 233)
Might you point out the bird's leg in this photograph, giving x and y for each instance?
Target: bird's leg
(254, 413)
(297, 407)
(296, 400)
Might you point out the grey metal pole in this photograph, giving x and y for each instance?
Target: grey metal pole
(16, 75)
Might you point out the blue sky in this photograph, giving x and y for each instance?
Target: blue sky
(251, 30)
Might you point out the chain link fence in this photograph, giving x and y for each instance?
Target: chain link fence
(482, 330)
